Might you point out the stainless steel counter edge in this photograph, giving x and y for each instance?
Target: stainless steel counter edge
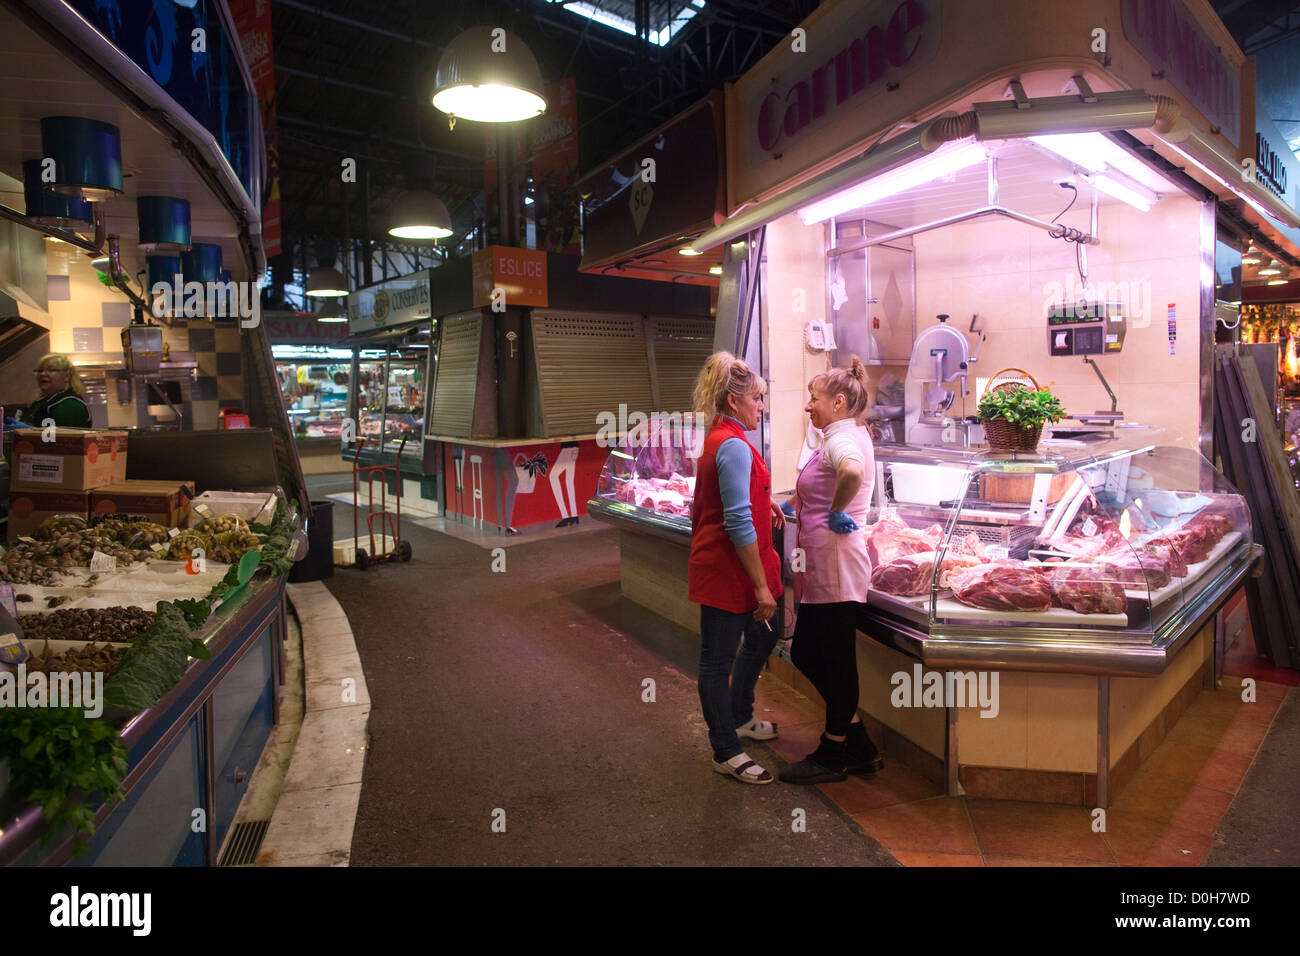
(628, 518)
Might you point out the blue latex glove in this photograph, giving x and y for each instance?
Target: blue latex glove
(788, 508)
(840, 522)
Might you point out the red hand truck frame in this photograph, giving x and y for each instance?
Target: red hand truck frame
(390, 523)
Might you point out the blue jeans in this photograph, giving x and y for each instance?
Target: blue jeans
(727, 679)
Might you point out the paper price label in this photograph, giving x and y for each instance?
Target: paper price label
(1089, 528)
(996, 551)
(102, 562)
(7, 599)
(46, 469)
(157, 548)
(203, 509)
(173, 532)
(12, 650)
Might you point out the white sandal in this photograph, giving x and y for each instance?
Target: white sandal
(757, 729)
(743, 769)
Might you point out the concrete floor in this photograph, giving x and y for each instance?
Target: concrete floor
(516, 696)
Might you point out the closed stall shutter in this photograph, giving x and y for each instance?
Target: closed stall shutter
(453, 398)
(588, 363)
(680, 347)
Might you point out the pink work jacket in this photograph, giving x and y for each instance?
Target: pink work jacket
(837, 566)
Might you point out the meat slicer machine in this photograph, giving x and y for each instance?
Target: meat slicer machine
(941, 356)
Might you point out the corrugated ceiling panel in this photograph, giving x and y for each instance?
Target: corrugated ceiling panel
(453, 397)
(681, 346)
(588, 363)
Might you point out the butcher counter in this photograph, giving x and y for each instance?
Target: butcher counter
(1054, 612)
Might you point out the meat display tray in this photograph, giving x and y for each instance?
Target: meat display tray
(950, 609)
(1194, 571)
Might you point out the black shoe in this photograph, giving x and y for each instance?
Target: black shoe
(807, 772)
(860, 753)
(824, 765)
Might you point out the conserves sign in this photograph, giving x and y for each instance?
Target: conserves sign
(392, 303)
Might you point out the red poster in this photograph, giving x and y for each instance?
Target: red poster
(253, 22)
(553, 152)
(522, 485)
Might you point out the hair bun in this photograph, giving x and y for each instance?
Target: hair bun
(857, 369)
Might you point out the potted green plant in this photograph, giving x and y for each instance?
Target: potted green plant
(1014, 415)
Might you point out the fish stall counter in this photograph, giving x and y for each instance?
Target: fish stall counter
(1061, 605)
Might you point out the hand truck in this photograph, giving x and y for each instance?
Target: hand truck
(390, 522)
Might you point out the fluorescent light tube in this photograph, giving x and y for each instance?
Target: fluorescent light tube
(1137, 196)
(1096, 153)
(940, 163)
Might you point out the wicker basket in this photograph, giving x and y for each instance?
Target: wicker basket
(1002, 435)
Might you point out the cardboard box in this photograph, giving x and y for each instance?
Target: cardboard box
(27, 509)
(164, 502)
(77, 459)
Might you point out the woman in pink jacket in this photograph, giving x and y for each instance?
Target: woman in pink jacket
(831, 500)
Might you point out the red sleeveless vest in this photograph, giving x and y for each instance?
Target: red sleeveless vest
(714, 572)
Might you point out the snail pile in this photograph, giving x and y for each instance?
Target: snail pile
(229, 546)
(183, 545)
(92, 657)
(117, 625)
(221, 524)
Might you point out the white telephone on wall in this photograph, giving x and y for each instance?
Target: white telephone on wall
(820, 335)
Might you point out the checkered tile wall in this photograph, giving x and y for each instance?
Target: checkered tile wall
(89, 317)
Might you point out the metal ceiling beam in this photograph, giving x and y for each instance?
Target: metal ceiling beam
(357, 24)
(308, 122)
(333, 81)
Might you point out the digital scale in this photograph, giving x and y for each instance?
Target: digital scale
(1086, 328)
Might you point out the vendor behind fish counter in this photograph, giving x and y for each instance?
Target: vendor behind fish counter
(830, 504)
(61, 392)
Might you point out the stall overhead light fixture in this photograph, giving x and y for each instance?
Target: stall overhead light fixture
(1272, 269)
(1095, 153)
(942, 162)
(332, 318)
(488, 75)
(715, 270)
(87, 157)
(1135, 195)
(1251, 258)
(420, 215)
(326, 283)
(688, 251)
(1278, 281)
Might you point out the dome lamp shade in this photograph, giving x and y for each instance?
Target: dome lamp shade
(489, 75)
(87, 157)
(201, 263)
(326, 282)
(48, 208)
(164, 224)
(420, 215)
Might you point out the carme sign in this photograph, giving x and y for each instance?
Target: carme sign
(1166, 33)
(868, 46)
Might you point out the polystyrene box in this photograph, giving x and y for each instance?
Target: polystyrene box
(253, 506)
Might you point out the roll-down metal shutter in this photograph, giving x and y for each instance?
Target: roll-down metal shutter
(588, 363)
(453, 398)
(680, 345)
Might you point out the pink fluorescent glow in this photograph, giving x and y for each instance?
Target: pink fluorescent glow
(1096, 153)
(940, 163)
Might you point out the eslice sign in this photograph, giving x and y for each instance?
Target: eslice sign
(519, 273)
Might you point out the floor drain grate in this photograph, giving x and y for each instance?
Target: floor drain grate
(244, 842)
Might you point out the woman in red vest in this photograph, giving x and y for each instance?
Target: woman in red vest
(734, 573)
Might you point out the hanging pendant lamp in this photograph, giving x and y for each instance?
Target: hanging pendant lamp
(420, 215)
(164, 224)
(488, 75)
(87, 157)
(326, 283)
(51, 209)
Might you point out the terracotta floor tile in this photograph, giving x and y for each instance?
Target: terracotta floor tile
(1200, 730)
(796, 741)
(1036, 831)
(896, 784)
(1029, 861)
(1266, 688)
(1228, 704)
(911, 858)
(1169, 800)
(1207, 766)
(1139, 841)
(937, 825)
(1261, 711)
(1244, 735)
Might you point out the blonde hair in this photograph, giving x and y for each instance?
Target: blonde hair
(724, 374)
(60, 362)
(850, 382)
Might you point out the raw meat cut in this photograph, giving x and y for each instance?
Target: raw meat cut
(912, 574)
(1085, 589)
(972, 545)
(1169, 554)
(890, 538)
(1137, 569)
(1001, 587)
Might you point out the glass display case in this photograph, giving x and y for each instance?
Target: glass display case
(1123, 541)
(649, 479)
(314, 382)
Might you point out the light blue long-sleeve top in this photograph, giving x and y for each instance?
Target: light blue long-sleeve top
(734, 461)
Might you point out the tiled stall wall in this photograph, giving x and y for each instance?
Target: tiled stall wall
(1009, 272)
(86, 316)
